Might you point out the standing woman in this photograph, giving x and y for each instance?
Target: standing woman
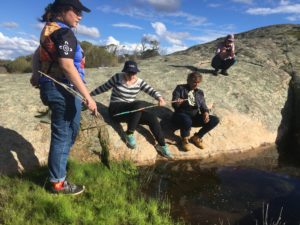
(125, 87)
(61, 57)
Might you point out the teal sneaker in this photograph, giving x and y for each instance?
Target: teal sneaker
(130, 141)
(164, 150)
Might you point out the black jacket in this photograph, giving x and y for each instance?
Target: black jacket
(181, 91)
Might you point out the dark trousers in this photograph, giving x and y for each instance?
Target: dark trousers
(185, 122)
(140, 117)
(219, 63)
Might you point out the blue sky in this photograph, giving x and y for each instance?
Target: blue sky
(176, 24)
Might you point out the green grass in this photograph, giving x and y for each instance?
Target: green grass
(112, 197)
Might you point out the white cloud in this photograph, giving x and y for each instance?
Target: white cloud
(293, 18)
(127, 25)
(185, 19)
(284, 2)
(12, 47)
(174, 38)
(163, 5)
(9, 25)
(127, 11)
(243, 1)
(214, 5)
(288, 9)
(112, 41)
(6, 54)
(39, 25)
(88, 31)
(191, 19)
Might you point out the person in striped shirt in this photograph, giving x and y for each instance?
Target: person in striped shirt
(125, 87)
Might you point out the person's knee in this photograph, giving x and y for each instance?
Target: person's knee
(214, 120)
(137, 105)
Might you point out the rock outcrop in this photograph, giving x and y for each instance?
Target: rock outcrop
(248, 103)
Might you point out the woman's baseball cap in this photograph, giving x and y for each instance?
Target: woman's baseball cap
(74, 3)
(130, 67)
(230, 37)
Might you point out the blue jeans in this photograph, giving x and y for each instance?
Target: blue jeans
(185, 122)
(65, 121)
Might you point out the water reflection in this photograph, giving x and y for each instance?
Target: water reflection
(232, 194)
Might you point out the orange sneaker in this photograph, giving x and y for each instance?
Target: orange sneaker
(64, 187)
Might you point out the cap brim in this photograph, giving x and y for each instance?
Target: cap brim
(131, 71)
(85, 9)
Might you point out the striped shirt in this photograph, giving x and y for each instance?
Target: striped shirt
(122, 92)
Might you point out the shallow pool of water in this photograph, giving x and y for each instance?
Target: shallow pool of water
(244, 190)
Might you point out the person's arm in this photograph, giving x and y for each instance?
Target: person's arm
(152, 92)
(34, 80)
(66, 44)
(176, 97)
(105, 87)
(203, 108)
(70, 71)
(232, 53)
(181, 100)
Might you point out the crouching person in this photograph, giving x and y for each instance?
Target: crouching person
(225, 56)
(191, 111)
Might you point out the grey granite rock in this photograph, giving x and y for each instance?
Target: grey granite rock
(248, 102)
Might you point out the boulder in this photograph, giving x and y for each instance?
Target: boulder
(248, 102)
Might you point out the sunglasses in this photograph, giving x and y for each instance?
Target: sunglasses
(77, 12)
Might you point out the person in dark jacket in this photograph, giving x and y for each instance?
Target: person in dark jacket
(224, 56)
(192, 111)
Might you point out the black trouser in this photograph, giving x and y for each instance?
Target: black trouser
(140, 117)
(185, 122)
(219, 63)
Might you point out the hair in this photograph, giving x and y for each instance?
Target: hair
(193, 76)
(52, 11)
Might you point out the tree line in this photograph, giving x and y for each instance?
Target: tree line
(96, 56)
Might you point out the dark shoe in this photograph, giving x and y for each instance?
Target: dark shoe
(215, 72)
(224, 72)
(67, 189)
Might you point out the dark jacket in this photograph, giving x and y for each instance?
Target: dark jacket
(181, 91)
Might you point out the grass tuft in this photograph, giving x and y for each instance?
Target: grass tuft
(112, 197)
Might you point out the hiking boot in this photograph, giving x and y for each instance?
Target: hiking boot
(66, 188)
(130, 141)
(215, 72)
(186, 145)
(224, 72)
(197, 141)
(164, 150)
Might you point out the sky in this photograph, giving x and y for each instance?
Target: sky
(175, 24)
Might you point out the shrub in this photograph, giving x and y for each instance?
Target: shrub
(98, 56)
(20, 65)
